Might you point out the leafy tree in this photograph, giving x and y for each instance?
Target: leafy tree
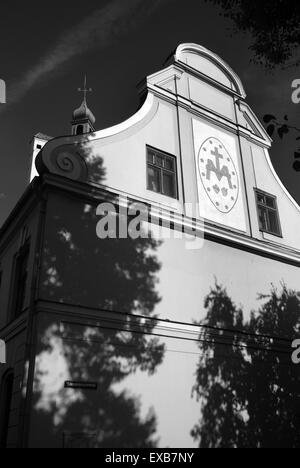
(282, 128)
(273, 25)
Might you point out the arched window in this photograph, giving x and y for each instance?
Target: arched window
(79, 129)
(5, 404)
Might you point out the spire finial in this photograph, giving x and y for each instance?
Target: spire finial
(85, 90)
(83, 118)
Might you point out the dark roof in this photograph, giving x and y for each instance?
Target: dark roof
(83, 112)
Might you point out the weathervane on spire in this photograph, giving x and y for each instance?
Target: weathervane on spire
(83, 118)
(85, 90)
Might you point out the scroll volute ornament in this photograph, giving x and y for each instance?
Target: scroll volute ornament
(66, 160)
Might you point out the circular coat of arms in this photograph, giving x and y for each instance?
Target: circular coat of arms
(218, 175)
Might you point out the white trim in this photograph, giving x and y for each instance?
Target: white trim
(200, 50)
(203, 228)
(168, 214)
(135, 119)
(278, 180)
(127, 124)
(246, 109)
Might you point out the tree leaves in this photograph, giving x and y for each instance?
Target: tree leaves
(296, 166)
(273, 26)
(268, 118)
(270, 130)
(283, 130)
(272, 120)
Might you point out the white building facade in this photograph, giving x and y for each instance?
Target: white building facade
(125, 342)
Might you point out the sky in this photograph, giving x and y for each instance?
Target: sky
(46, 49)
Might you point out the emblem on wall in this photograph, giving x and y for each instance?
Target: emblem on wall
(218, 175)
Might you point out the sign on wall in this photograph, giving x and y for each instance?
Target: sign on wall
(218, 176)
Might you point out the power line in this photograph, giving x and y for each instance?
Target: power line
(178, 351)
(189, 324)
(199, 340)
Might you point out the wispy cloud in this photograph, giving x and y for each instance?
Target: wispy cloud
(101, 28)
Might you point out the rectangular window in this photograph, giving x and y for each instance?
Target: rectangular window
(20, 280)
(268, 213)
(161, 173)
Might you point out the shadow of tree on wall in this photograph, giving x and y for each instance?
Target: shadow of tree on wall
(118, 278)
(246, 383)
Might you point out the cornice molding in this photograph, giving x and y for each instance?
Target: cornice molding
(161, 215)
(215, 59)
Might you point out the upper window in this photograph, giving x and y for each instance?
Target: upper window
(268, 213)
(20, 280)
(79, 130)
(161, 173)
(6, 392)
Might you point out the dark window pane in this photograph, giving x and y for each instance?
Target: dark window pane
(263, 220)
(273, 222)
(169, 184)
(160, 161)
(270, 201)
(150, 157)
(169, 164)
(161, 173)
(79, 130)
(266, 200)
(21, 274)
(154, 182)
(261, 198)
(268, 214)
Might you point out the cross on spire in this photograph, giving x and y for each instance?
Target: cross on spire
(83, 118)
(85, 90)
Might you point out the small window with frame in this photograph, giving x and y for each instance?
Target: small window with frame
(161, 173)
(268, 216)
(20, 280)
